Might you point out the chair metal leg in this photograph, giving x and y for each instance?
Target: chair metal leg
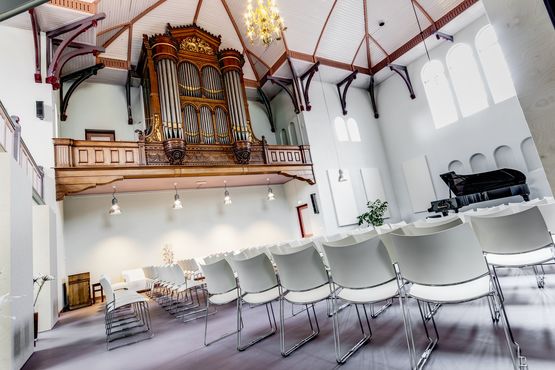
(432, 342)
(206, 343)
(430, 310)
(273, 328)
(342, 358)
(406, 319)
(293, 313)
(496, 281)
(540, 276)
(314, 332)
(374, 313)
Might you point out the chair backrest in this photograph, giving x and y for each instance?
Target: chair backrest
(397, 225)
(219, 277)
(347, 240)
(430, 222)
(256, 274)
(302, 269)
(148, 271)
(365, 236)
(360, 265)
(520, 232)
(548, 212)
(447, 257)
(107, 287)
(334, 237)
(385, 228)
(429, 228)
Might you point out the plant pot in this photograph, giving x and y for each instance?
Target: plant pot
(36, 326)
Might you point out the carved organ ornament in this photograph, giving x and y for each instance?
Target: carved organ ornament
(194, 97)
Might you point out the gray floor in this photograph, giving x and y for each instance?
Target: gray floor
(468, 339)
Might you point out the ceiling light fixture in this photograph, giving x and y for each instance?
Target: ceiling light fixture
(114, 209)
(227, 197)
(271, 195)
(263, 22)
(176, 199)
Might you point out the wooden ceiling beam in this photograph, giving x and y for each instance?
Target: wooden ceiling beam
(100, 33)
(197, 11)
(366, 34)
(358, 49)
(424, 12)
(324, 28)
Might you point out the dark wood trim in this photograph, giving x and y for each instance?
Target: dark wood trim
(323, 28)
(283, 83)
(115, 36)
(371, 90)
(78, 78)
(366, 34)
(358, 49)
(300, 218)
(346, 83)
(268, 108)
(403, 72)
(197, 11)
(36, 42)
(307, 76)
(90, 133)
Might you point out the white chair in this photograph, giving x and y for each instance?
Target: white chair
(361, 273)
(221, 287)
(258, 285)
(447, 267)
(303, 281)
(428, 228)
(397, 225)
(126, 314)
(548, 212)
(516, 240)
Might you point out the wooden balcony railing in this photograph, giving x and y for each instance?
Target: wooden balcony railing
(80, 6)
(11, 142)
(83, 164)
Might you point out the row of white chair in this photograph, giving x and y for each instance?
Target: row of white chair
(437, 263)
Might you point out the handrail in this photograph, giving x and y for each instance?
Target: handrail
(11, 142)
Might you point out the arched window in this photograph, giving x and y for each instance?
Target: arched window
(340, 129)
(283, 136)
(504, 157)
(479, 163)
(352, 129)
(438, 93)
(494, 64)
(530, 154)
(456, 166)
(466, 79)
(293, 134)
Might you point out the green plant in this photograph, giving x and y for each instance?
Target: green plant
(374, 215)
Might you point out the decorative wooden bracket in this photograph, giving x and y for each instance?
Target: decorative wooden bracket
(373, 97)
(79, 77)
(36, 42)
(306, 85)
(343, 95)
(445, 36)
(59, 59)
(404, 73)
(262, 95)
(128, 98)
(283, 83)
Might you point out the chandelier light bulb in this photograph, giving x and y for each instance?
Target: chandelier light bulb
(115, 208)
(177, 204)
(227, 197)
(271, 195)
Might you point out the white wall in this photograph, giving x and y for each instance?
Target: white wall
(318, 125)
(527, 37)
(16, 265)
(99, 243)
(104, 107)
(408, 130)
(260, 123)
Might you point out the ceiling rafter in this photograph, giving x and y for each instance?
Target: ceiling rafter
(358, 49)
(324, 28)
(245, 50)
(366, 34)
(425, 13)
(379, 46)
(259, 59)
(112, 28)
(197, 11)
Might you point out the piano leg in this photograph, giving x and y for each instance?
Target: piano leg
(526, 197)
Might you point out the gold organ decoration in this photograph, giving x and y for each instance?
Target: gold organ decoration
(194, 97)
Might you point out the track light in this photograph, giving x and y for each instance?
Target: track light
(342, 177)
(227, 197)
(176, 199)
(271, 195)
(114, 209)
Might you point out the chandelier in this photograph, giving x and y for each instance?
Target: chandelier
(263, 22)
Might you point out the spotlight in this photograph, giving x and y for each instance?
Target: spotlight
(114, 209)
(176, 199)
(227, 197)
(271, 195)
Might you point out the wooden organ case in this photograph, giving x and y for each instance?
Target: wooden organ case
(195, 101)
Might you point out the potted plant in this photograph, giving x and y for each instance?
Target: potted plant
(39, 280)
(374, 215)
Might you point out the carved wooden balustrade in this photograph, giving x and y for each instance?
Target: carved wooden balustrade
(83, 164)
(11, 142)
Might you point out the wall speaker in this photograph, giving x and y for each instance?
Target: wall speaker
(40, 109)
(314, 203)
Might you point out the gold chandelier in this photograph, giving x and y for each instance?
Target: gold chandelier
(263, 22)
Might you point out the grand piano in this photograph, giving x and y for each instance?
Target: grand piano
(475, 188)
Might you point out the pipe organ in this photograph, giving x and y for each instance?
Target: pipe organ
(195, 101)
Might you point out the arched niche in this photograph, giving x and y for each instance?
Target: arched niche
(530, 154)
(504, 157)
(478, 163)
(456, 166)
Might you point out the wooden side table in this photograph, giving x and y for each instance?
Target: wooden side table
(95, 289)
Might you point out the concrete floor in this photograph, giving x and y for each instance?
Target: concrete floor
(468, 339)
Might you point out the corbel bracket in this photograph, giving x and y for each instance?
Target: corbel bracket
(371, 90)
(78, 78)
(36, 42)
(60, 57)
(443, 35)
(404, 73)
(306, 78)
(343, 94)
(264, 98)
(283, 83)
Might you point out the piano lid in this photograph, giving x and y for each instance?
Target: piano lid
(480, 182)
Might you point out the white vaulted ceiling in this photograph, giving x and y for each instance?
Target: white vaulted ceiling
(332, 31)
